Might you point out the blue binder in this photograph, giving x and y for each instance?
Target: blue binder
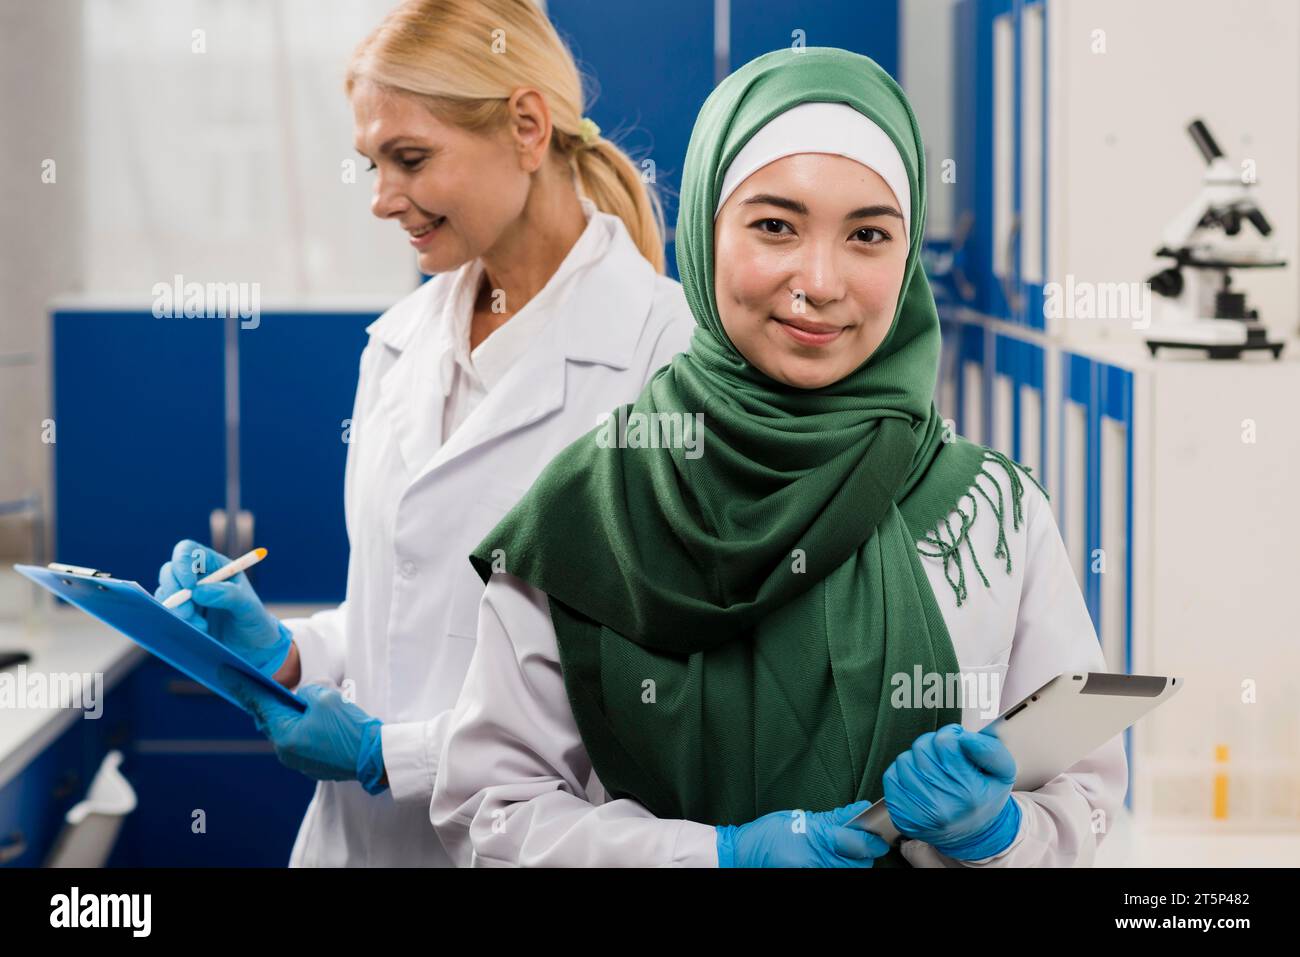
(134, 612)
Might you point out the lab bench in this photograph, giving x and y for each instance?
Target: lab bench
(210, 790)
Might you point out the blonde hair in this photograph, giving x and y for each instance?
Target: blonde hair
(465, 58)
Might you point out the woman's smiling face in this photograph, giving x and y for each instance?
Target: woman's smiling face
(809, 256)
(454, 191)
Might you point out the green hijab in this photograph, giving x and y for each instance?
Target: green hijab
(730, 619)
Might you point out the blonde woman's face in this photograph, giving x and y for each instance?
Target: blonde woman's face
(809, 256)
(468, 186)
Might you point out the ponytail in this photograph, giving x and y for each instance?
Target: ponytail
(438, 49)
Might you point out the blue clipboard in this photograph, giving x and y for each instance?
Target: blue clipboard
(128, 608)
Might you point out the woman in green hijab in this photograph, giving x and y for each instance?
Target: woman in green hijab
(737, 612)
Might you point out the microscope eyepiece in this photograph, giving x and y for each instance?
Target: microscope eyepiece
(1204, 141)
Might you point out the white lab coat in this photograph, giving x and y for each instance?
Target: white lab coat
(516, 785)
(416, 507)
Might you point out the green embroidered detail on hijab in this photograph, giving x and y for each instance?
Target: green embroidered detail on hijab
(729, 624)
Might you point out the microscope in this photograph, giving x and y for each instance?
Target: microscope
(1199, 309)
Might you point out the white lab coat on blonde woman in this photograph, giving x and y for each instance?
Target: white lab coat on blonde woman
(516, 785)
(443, 444)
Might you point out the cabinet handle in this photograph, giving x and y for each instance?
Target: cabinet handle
(233, 541)
(183, 687)
(14, 847)
(1015, 302)
(67, 786)
(965, 288)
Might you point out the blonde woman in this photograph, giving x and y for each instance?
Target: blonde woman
(548, 306)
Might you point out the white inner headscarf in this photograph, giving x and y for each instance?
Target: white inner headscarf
(834, 128)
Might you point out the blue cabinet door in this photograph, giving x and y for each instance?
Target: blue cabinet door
(869, 28)
(1006, 368)
(967, 267)
(161, 704)
(1021, 363)
(138, 452)
(1081, 493)
(1103, 392)
(948, 386)
(1031, 169)
(975, 137)
(1033, 359)
(190, 751)
(649, 68)
(1115, 402)
(33, 804)
(297, 381)
(1000, 123)
(974, 395)
(211, 809)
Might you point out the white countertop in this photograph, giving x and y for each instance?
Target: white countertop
(1133, 845)
(98, 302)
(1129, 350)
(62, 640)
(1129, 354)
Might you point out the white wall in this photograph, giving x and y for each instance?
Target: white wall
(225, 165)
(40, 252)
(1121, 164)
(222, 166)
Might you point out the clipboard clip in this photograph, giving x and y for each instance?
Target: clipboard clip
(77, 570)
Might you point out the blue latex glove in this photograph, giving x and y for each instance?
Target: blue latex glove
(800, 839)
(953, 791)
(229, 611)
(333, 740)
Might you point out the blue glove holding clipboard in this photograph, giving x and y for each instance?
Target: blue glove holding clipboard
(128, 608)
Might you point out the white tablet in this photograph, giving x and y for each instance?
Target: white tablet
(1058, 725)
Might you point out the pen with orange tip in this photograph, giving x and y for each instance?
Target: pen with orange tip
(229, 570)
